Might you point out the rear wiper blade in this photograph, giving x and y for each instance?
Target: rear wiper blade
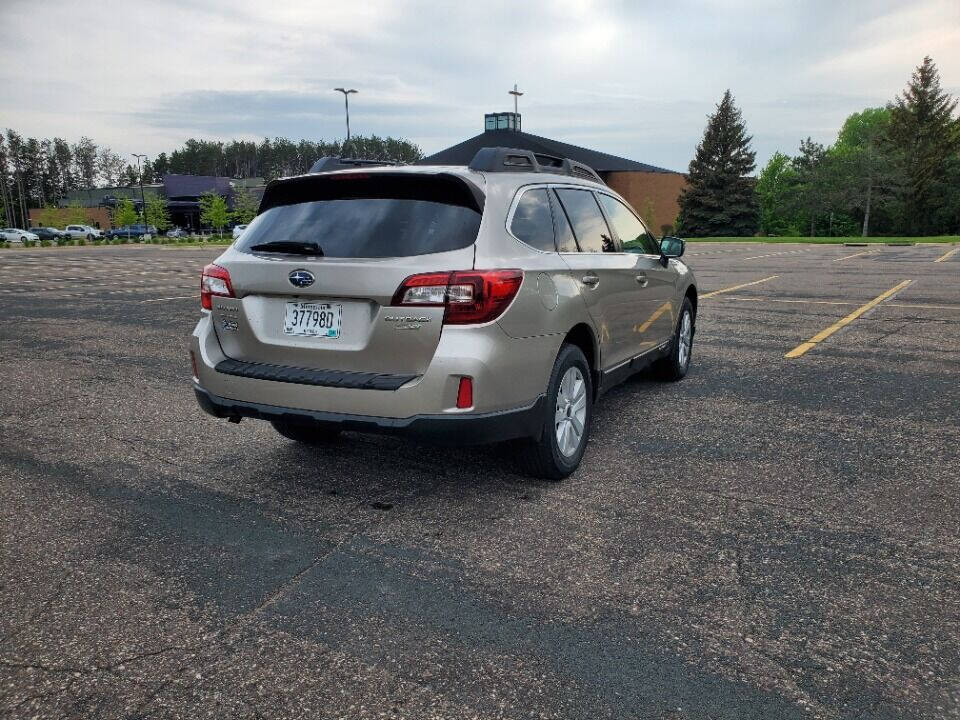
(289, 246)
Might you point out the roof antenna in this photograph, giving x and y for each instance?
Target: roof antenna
(516, 94)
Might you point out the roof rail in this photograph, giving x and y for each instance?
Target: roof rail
(500, 159)
(329, 164)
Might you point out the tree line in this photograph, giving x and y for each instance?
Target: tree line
(37, 173)
(893, 170)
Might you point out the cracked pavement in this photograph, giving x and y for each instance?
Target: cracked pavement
(769, 538)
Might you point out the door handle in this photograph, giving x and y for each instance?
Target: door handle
(591, 280)
(642, 279)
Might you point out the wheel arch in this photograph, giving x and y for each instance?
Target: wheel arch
(582, 336)
(691, 295)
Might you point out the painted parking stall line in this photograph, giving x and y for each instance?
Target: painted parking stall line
(848, 257)
(843, 322)
(736, 287)
(777, 254)
(947, 255)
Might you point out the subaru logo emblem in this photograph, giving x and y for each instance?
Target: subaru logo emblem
(301, 278)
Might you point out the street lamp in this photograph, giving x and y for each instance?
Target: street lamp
(346, 106)
(143, 200)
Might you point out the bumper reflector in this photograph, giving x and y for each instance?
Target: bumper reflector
(465, 393)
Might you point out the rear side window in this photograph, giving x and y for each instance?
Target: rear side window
(587, 220)
(532, 222)
(369, 215)
(632, 233)
(566, 242)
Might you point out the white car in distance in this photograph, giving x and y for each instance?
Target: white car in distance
(16, 235)
(82, 231)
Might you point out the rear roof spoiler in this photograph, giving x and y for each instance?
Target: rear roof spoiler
(449, 187)
(500, 159)
(330, 164)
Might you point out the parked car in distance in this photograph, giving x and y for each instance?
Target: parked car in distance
(178, 233)
(238, 230)
(83, 231)
(49, 233)
(131, 231)
(16, 235)
(464, 305)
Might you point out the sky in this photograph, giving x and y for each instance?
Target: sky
(632, 78)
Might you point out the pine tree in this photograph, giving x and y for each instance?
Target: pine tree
(923, 130)
(719, 198)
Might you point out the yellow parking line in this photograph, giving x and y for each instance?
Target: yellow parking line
(947, 254)
(824, 334)
(847, 257)
(764, 298)
(736, 287)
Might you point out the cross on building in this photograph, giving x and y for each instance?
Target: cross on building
(516, 94)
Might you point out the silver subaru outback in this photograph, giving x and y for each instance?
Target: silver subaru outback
(465, 305)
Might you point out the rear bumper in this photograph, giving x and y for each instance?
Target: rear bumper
(472, 429)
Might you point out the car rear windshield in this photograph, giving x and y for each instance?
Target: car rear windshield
(360, 215)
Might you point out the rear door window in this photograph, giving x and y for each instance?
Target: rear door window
(532, 222)
(633, 235)
(591, 229)
(566, 241)
(372, 215)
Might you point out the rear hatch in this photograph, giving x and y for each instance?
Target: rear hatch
(315, 273)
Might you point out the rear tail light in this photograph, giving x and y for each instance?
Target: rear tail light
(215, 280)
(467, 296)
(465, 393)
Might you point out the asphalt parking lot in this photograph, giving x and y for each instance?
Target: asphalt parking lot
(773, 537)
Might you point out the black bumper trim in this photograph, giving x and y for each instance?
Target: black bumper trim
(466, 429)
(306, 376)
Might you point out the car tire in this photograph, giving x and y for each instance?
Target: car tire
(675, 365)
(89, 237)
(569, 404)
(307, 434)
(23, 239)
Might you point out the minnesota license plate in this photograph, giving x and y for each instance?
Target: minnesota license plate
(313, 319)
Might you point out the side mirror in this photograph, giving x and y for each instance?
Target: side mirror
(671, 247)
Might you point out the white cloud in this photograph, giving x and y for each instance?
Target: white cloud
(624, 77)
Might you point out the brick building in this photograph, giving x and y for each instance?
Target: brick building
(653, 191)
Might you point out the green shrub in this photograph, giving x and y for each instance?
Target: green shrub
(44, 243)
(80, 241)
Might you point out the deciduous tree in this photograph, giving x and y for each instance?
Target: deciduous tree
(867, 163)
(156, 212)
(244, 206)
(213, 211)
(776, 189)
(124, 213)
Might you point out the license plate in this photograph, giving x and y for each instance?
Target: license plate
(313, 319)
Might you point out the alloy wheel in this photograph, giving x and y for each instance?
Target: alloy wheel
(571, 412)
(684, 339)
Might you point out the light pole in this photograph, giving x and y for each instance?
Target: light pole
(346, 106)
(143, 200)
